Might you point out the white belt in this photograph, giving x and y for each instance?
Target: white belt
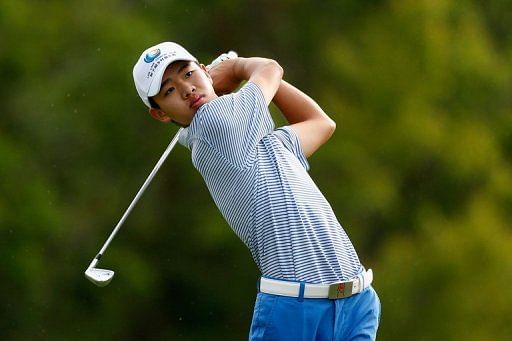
(331, 291)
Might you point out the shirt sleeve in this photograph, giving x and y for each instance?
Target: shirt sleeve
(290, 140)
(234, 124)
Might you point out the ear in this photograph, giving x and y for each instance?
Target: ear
(160, 115)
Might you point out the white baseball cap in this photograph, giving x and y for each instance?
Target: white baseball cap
(150, 68)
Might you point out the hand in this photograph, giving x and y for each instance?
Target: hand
(223, 76)
(221, 58)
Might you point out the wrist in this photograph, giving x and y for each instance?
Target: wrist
(238, 72)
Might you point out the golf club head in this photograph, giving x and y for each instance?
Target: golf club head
(100, 277)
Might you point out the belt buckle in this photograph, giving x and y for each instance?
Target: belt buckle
(340, 290)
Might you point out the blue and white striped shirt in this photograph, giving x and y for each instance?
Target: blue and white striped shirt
(258, 178)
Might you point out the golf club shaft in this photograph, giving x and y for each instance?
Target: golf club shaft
(136, 199)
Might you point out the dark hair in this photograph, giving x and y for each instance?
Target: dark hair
(153, 103)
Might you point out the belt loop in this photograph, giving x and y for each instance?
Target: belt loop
(258, 283)
(301, 292)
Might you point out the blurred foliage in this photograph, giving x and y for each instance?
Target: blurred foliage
(419, 171)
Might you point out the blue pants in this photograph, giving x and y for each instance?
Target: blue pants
(282, 318)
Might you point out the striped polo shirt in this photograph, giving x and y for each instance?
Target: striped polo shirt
(258, 179)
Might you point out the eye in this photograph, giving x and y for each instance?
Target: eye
(169, 91)
(188, 74)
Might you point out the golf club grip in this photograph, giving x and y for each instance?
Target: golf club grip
(139, 193)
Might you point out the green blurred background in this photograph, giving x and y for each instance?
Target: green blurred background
(419, 170)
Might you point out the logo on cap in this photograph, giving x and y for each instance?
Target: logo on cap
(151, 55)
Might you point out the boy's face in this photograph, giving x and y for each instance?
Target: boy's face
(185, 87)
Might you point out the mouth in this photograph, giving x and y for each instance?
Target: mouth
(196, 102)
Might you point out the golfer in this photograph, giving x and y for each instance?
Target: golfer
(312, 285)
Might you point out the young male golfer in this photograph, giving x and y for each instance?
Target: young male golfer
(313, 286)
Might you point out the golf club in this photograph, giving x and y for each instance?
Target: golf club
(102, 277)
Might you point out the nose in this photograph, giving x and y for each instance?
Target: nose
(188, 91)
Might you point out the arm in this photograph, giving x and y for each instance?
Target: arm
(311, 124)
(266, 73)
